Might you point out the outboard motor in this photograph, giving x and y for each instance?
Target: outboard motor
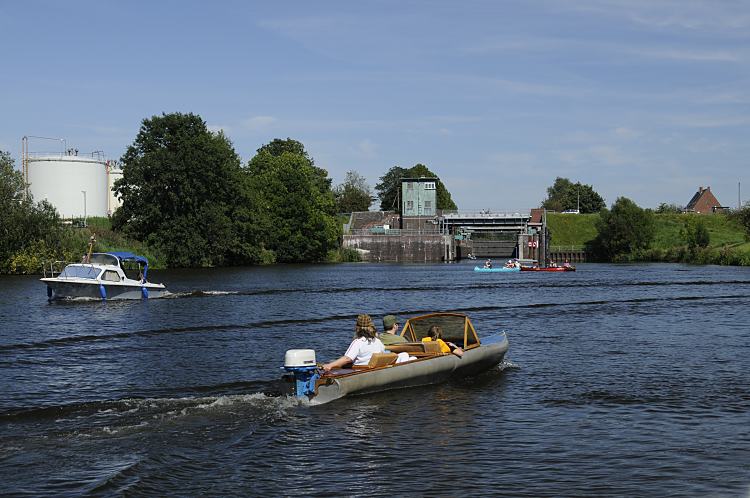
(301, 363)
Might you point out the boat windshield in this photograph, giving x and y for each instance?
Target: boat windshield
(104, 259)
(80, 271)
(455, 328)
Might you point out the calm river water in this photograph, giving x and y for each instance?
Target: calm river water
(628, 380)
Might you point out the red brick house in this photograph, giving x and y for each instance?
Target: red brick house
(703, 202)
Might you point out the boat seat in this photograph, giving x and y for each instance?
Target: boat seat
(432, 347)
(418, 349)
(406, 347)
(378, 360)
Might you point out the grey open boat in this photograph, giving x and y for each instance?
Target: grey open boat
(430, 366)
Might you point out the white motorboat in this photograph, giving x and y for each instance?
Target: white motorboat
(102, 276)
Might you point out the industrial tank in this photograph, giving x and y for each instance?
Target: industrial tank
(76, 186)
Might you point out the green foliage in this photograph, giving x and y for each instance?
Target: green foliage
(179, 190)
(695, 233)
(26, 227)
(665, 208)
(566, 230)
(742, 217)
(387, 189)
(670, 228)
(277, 147)
(352, 195)
(564, 194)
(390, 183)
(295, 209)
(625, 231)
(344, 255)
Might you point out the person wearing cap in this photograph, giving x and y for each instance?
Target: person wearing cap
(390, 331)
(365, 343)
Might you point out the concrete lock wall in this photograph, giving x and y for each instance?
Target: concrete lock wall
(400, 248)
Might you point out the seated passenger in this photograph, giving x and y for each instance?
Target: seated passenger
(488, 263)
(360, 350)
(435, 333)
(390, 331)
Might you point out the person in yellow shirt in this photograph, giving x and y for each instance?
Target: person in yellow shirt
(435, 333)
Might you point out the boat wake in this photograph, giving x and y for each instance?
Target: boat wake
(129, 415)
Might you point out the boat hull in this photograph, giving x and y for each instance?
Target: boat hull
(58, 289)
(419, 372)
(495, 270)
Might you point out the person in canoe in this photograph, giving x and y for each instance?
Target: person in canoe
(435, 333)
(488, 263)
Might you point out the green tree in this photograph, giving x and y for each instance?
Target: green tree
(390, 183)
(624, 231)
(742, 216)
(694, 232)
(353, 195)
(564, 194)
(387, 189)
(665, 208)
(180, 188)
(26, 227)
(277, 147)
(296, 210)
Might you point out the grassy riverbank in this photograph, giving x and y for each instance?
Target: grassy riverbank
(728, 242)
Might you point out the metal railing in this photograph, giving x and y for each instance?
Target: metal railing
(486, 214)
(390, 231)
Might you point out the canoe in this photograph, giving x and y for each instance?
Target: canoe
(428, 366)
(550, 268)
(492, 270)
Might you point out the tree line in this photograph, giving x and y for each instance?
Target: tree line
(187, 195)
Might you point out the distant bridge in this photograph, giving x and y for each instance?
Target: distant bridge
(507, 225)
(484, 221)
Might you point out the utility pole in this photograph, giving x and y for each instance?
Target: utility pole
(84, 207)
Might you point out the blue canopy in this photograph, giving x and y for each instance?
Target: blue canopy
(129, 256)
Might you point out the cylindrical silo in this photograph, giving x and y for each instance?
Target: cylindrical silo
(76, 186)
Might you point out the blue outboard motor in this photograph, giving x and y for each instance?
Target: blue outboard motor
(301, 363)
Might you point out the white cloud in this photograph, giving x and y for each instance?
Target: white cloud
(625, 133)
(595, 156)
(259, 123)
(696, 55)
(696, 121)
(218, 128)
(366, 149)
(689, 15)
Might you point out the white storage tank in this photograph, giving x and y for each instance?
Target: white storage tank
(77, 186)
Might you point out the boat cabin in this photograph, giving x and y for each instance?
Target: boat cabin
(108, 267)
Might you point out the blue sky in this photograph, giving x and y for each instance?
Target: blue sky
(640, 98)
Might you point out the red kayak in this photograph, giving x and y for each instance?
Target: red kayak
(549, 268)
